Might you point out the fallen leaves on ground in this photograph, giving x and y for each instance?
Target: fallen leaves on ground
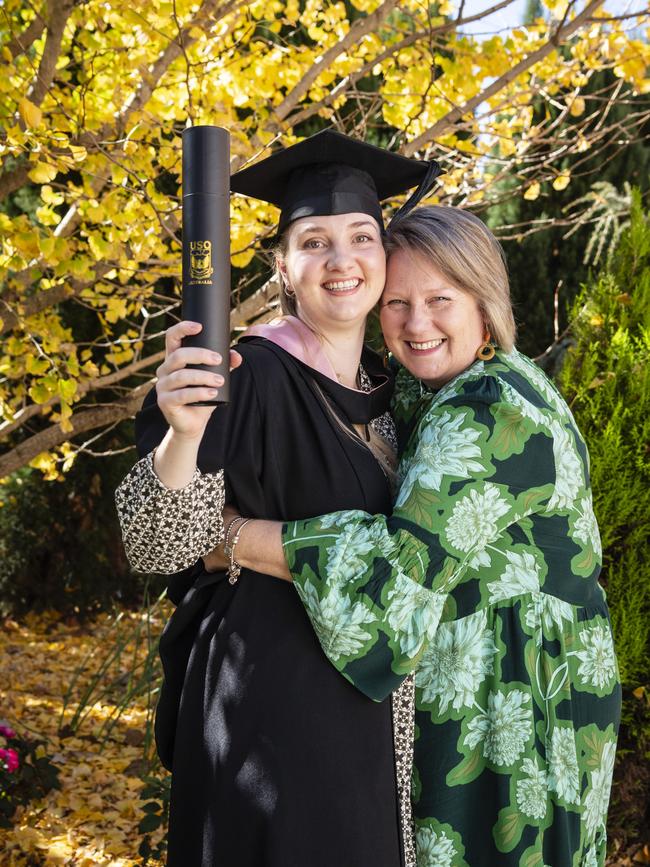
(92, 821)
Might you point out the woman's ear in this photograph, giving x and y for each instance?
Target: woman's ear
(281, 267)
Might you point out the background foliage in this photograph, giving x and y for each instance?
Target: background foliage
(542, 130)
(95, 96)
(606, 379)
(60, 544)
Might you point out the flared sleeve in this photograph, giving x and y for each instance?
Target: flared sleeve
(479, 464)
(167, 530)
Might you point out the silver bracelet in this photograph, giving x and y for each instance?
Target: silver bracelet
(227, 544)
(234, 570)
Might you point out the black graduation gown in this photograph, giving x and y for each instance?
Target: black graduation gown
(276, 760)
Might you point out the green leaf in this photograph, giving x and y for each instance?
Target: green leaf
(508, 829)
(511, 433)
(150, 823)
(67, 389)
(36, 365)
(466, 770)
(533, 859)
(40, 392)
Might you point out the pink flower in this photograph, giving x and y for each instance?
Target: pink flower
(10, 759)
(7, 732)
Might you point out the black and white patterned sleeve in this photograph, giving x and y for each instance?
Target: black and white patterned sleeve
(166, 530)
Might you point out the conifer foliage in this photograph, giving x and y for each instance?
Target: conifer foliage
(606, 379)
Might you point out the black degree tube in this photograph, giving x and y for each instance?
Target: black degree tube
(206, 244)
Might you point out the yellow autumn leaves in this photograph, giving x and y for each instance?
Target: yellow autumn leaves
(92, 820)
(560, 182)
(30, 113)
(95, 150)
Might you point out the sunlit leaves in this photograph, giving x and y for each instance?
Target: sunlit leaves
(562, 181)
(577, 106)
(102, 149)
(532, 192)
(633, 60)
(42, 173)
(31, 114)
(92, 820)
(557, 8)
(41, 392)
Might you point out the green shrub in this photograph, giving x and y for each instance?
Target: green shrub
(60, 541)
(606, 380)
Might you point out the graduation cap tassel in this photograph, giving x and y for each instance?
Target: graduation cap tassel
(433, 171)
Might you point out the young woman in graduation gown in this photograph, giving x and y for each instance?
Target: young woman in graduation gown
(276, 761)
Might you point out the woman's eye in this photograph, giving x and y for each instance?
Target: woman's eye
(438, 298)
(362, 238)
(396, 302)
(313, 244)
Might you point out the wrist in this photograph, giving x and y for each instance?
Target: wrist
(175, 460)
(233, 535)
(186, 438)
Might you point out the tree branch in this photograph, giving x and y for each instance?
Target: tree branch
(158, 69)
(53, 436)
(498, 84)
(40, 301)
(14, 179)
(123, 408)
(24, 415)
(258, 302)
(92, 139)
(358, 30)
(23, 42)
(59, 12)
(350, 80)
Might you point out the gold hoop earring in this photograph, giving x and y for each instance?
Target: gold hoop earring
(486, 350)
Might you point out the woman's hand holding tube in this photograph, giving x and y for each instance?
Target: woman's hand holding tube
(177, 388)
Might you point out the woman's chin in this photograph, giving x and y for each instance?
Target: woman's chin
(422, 365)
(435, 376)
(342, 314)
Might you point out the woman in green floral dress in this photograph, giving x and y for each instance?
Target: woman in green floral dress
(483, 584)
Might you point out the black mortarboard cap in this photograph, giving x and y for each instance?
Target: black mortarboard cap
(330, 173)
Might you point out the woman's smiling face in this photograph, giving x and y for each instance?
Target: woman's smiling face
(336, 265)
(430, 325)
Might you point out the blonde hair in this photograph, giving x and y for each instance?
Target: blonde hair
(461, 247)
(288, 303)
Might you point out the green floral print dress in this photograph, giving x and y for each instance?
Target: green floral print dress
(484, 583)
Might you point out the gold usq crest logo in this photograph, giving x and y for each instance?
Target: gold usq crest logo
(200, 260)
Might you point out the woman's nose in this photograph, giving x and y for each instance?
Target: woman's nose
(418, 320)
(339, 258)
